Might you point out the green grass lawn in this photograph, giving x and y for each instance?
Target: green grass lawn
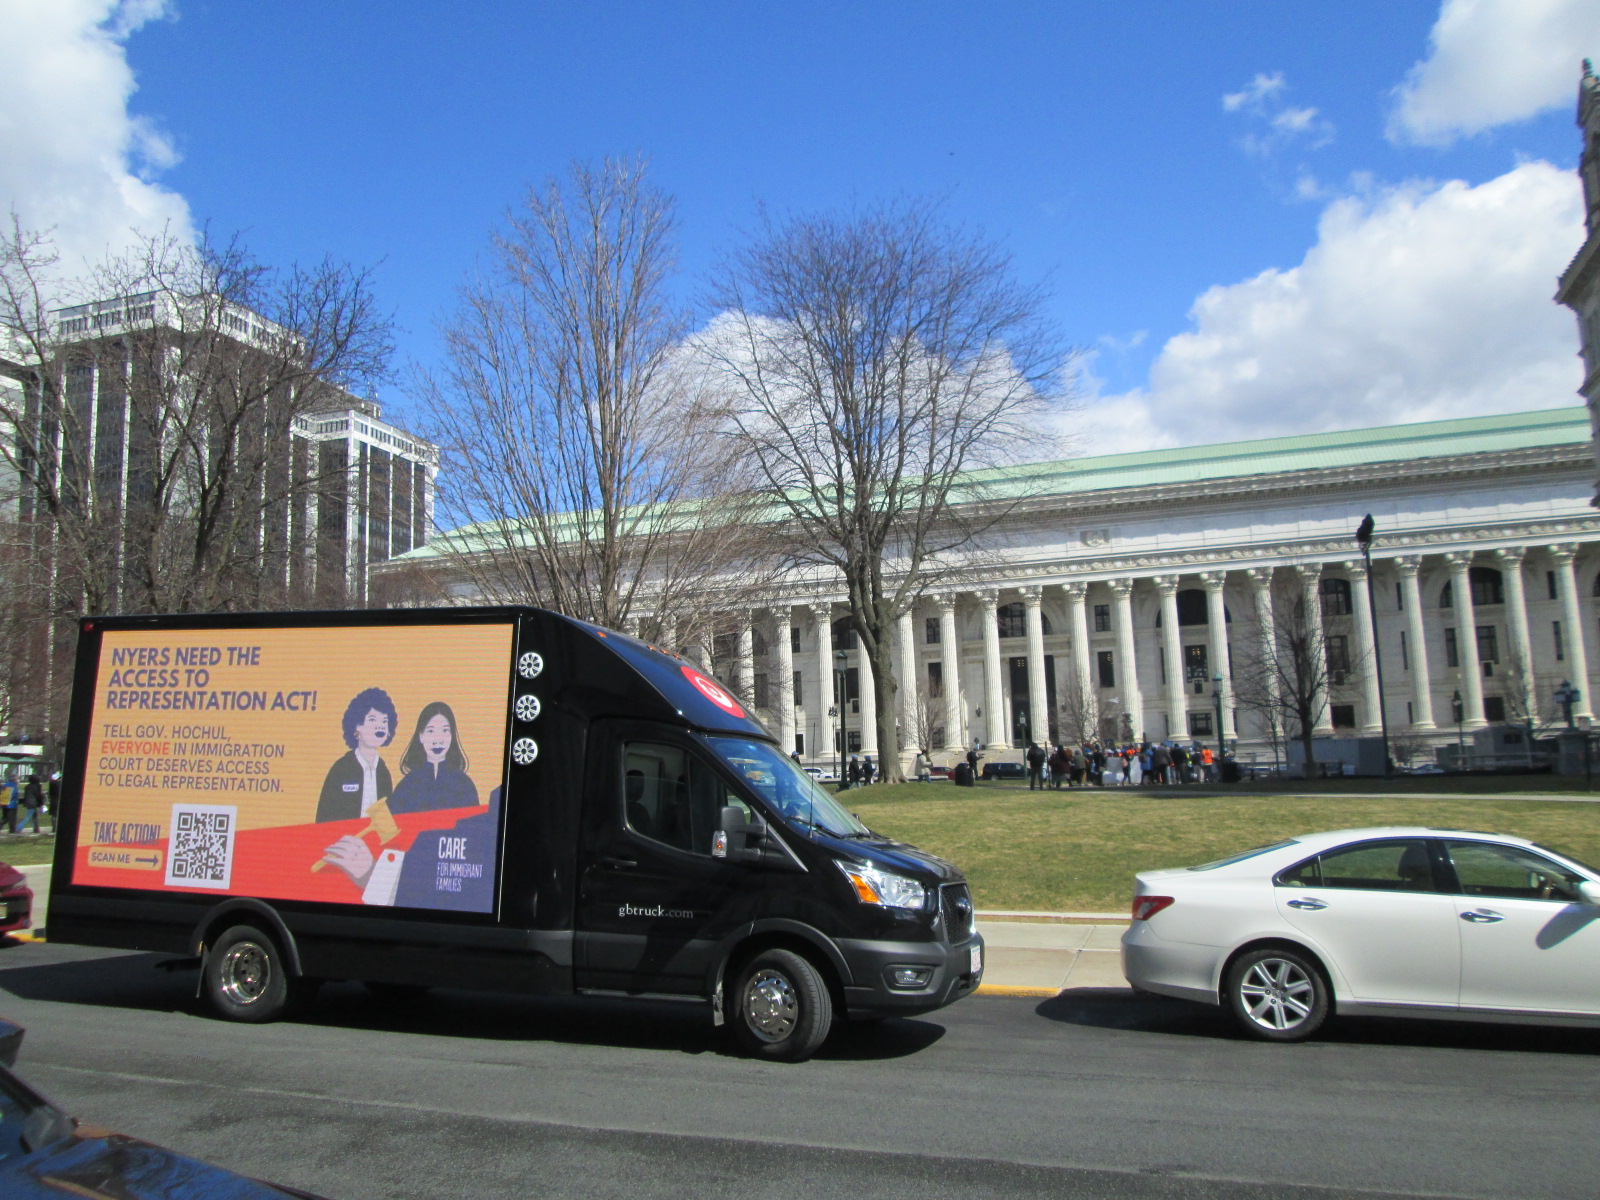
(23, 851)
(1077, 851)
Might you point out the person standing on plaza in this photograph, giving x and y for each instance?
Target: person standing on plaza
(32, 802)
(1035, 759)
(1180, 763)
(1161, 763)
(12, 795)
(1060, 764)
(867, 772)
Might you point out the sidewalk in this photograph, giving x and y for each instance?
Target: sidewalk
(1041, 958)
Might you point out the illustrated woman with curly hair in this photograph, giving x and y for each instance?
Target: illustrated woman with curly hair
(361, 778)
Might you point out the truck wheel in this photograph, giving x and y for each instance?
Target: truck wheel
(247, 979)
(784, 1009)
(1277, 994)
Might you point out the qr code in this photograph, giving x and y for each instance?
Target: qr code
(201, 851)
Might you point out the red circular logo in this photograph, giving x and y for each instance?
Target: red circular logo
(714, 692)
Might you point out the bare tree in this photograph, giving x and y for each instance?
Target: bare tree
(1078, 703)
(153, 433)
(583, 470)
(156, 436)
(875, 359)
(1288, 681)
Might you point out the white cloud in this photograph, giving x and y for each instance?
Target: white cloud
(1418, 302)
(72, 156)
(1261, 101)
(1491, 62)
(1255, 94)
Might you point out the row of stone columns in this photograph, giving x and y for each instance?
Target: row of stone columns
(1308, 578)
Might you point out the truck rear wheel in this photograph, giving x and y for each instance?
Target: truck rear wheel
(784, 1009)
(247, 978)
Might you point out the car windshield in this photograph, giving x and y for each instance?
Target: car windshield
(787, 789)
(1238, 858)
(1574, 860)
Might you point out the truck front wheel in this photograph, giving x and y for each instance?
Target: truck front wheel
(247, 979)
(784, 1010)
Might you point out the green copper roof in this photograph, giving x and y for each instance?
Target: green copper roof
(1555, 427)
(1306, 452)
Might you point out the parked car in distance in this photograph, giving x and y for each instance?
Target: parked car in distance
(1003, 770)
(1395, 922)
(45, 1154)
(821, 774)
(16, 900)
(1425, 769)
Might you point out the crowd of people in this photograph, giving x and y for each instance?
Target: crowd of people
(23, 801)
(1146, 764)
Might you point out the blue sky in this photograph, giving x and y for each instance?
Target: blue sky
(1247, 215)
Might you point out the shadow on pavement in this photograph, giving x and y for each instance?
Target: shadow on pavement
(133, 981)
(1117, 1008)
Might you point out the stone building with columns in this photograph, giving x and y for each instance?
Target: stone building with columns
(1139, 578)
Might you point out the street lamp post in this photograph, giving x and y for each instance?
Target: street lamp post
(1457, 711)
(833, 715)
(1216, 700)
(1364, 540)
(841, 672)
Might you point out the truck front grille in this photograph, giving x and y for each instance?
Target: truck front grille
(955, 905)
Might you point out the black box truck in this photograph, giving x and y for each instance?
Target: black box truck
(489, 798)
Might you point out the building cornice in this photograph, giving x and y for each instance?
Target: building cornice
(1576, 457)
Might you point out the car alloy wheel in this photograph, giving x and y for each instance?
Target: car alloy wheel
(1277, 994)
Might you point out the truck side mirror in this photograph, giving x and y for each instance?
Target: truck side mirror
(740, 837)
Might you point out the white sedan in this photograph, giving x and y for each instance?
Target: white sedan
(1395, 922)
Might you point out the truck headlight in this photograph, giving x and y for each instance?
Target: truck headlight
(874, 885)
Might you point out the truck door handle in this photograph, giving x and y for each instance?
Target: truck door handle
(623, 863)
(1482, 916)
(1308, 905)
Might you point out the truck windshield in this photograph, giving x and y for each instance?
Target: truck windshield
(786, 788)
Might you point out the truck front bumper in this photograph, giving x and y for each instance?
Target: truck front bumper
(901, 979)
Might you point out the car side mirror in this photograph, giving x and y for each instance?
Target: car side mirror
(740, 837)
(1590, 892)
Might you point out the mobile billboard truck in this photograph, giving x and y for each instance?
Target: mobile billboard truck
(489, 798)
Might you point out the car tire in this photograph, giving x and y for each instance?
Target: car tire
(247, 977)
(1278, 994)
(783, 1010)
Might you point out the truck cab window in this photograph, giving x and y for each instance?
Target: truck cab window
(671, 796)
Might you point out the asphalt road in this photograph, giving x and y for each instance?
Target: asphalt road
(1094, 1094)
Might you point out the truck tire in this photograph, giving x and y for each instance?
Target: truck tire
(247, 978)
(783, 1010)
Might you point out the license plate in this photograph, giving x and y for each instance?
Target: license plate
(977, 959)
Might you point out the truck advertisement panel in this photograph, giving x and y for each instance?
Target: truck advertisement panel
(345, 765)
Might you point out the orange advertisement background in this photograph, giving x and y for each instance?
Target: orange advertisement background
(312, 675)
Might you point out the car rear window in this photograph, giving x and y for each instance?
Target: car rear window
(1238, 858)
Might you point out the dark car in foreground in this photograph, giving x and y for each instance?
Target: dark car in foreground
(47, 1155)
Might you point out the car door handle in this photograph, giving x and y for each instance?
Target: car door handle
(626, 864)
(1482, 916)
(1308, 905)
